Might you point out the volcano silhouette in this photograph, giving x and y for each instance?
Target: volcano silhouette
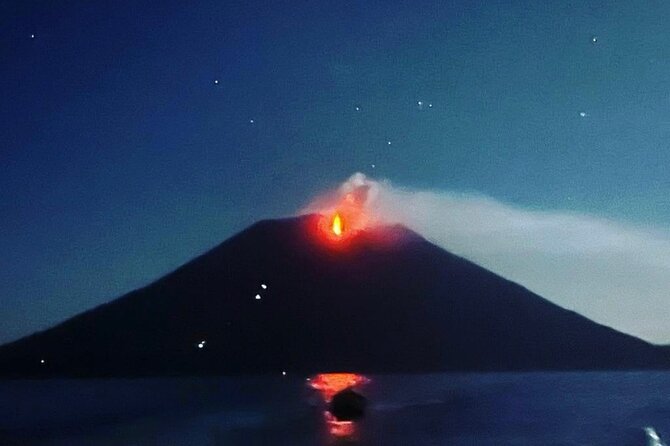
(279, 297)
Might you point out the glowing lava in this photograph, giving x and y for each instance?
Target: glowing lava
(337, 226)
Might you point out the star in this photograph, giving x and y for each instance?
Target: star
(251, 121)
(32, 36)
(216, 81)
(258, 297)
(42, 361)
(594, 39)
(264, 286)
(583, 114)
(283, 373)
(388, 143)
(358, 108)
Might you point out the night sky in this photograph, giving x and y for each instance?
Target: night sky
(135, 135)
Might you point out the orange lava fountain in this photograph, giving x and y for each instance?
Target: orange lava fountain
(337, 226)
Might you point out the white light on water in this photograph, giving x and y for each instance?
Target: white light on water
(653, 439)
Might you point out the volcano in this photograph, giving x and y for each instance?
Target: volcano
(279, 297)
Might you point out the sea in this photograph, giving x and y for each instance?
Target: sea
(549, 409)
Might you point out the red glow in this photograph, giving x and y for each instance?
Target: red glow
(334, 227)
(341, 225)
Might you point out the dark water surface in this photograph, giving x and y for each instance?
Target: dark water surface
(444, 409)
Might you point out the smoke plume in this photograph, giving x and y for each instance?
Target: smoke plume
(615, 273)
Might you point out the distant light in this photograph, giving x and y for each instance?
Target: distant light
(42, 361)
(583, 114)
(201, 344)
(264, 286)
(251, 121)
(358, 108)
(594, 39)
(258, 297)
(32, 36)
(216, 81)
(283, 373)
(388, 143)
(372, 165)
(430, 105)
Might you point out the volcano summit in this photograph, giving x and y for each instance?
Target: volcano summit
(281, 296)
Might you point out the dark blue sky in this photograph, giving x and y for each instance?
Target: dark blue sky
(121, 157)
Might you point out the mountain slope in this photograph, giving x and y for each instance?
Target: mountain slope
(384, 300)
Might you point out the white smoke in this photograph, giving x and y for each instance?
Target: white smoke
(615, 273)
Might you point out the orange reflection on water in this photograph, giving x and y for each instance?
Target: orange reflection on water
(339, 428)
(331, 383)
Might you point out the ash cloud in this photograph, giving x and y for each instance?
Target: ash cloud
(613, 272)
